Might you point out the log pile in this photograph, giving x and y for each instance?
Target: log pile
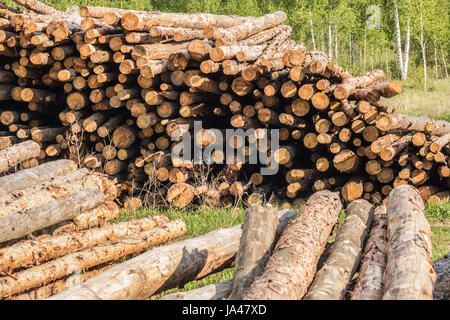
(277, 258)
(55, 231)
(109, 87)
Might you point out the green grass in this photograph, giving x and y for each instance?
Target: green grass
(434, 103)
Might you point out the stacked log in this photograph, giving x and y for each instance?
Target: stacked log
(109, 88)
(55, 225)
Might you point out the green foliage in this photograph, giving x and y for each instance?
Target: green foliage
(359, 48)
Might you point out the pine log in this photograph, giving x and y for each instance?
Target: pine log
(56, 188)
(18, 153)
(256, 243)
(345, 89)
(166, 267)
(290, 269)
(331, 281)
(442, 287)
(370, 281)
(246, 29)
(216, 291)
(411, 123)
(19, 224)
(409, 274)
(30, 252)
(89, 257)
(30, 177)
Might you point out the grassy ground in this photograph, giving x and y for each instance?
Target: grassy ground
(434, 103)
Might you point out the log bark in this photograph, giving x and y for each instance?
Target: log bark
(349, 85)
(19, 224)
(247, 29)
(370, 281)
(442, 287)
(37, 6)
(29, 177)
(331, 281)
(56, 188)
(165, 267)
(93, 218)
(18, 153)
(31, 252)
(409, 274)
(256, 244)
(89, 257)
(292, 265)
(411, 123)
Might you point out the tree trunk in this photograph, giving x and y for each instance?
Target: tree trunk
(442, 287)
(312, 30)
(58, 286)
(246, 29)
(330, 43)
(216, 291)
(348, 86)
(37, 6)
(424, 54)
(330, 282)
(165, 267)
(399, 41)
(90, 257)
(19, 224)
(370, 281)
(293, 263)
(18, 153)
(30, 177)
(256, 243)
(93, 218)
(409, 274)
(31, 252)
(56, 188)
(410, 123)
(407, 42)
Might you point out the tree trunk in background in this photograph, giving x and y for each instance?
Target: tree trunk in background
(399, 41)
(336, 53)
(330, 43)
(407, 41)
(435, 61)
(312, 30)
(424, 53)
(365, 47)
(445, 63)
